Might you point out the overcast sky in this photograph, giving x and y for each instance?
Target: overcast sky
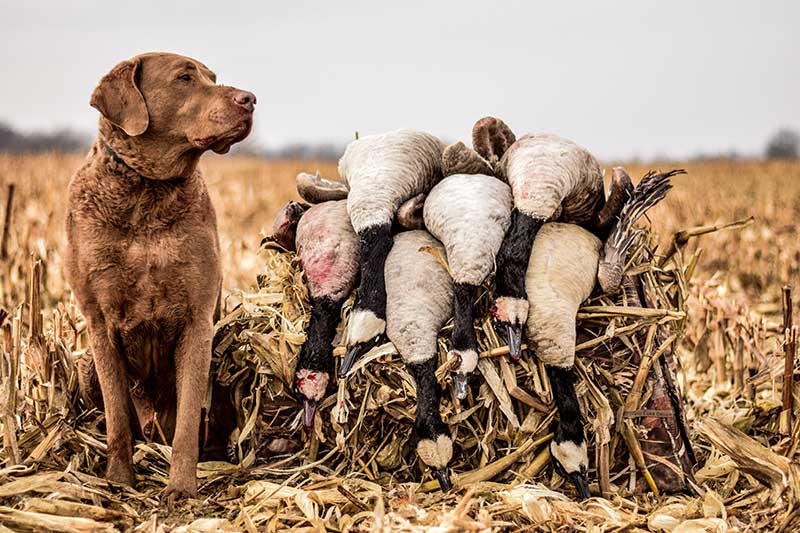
(627, 78)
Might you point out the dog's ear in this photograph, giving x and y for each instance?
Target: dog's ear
(119, 100)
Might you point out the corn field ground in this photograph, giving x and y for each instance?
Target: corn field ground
(732, 366)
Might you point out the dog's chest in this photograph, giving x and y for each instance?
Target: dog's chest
(149, 255)
(149, 278)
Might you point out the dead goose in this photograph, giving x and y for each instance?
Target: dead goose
(328, 251)
(419, 300)
(551, 178)
(328, 248)
(382, 172)
(470, 215)
(561, 274)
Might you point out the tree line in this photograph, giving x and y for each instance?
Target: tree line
(783, 144)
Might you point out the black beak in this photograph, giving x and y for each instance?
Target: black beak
(309, 410)
(514, 334)
(460, 382)
(350, 358)
(442, 475)
(581, 484)
(356, 351)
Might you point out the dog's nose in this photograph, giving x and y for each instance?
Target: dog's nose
(245, 99)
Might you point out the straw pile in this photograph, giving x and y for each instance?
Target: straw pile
(365, 425)
(358, 471)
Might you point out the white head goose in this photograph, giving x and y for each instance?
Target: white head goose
(561, 273)
(382, 172)
(470, 214)
(419, 300)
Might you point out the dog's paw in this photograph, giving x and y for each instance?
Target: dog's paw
(120, 472)
(179, 488)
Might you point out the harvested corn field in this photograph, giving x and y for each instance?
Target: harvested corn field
(703, 296)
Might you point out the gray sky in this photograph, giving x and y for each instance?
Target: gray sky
(627, 78)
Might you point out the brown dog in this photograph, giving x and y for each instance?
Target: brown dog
(143, 252)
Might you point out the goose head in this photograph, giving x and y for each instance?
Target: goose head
(436, 451)
(310, 386)
(511, 314)
(464, 363)
(365, 331)
(571, 461)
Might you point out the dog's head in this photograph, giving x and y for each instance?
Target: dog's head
(171, 99)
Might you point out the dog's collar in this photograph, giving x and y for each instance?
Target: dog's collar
(117, 159)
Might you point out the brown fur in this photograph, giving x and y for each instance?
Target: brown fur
(143, 253)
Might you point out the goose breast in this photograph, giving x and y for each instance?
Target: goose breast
(329, 250)
(382, 171)
(470, 215)
(419, 295)
(561, 275)
(547, 172)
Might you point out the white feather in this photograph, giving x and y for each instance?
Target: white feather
(385, 170)
(436, 454)
(470, 215)
(572, 457)
(547, 172)
(364, 326)
(419, 296)
(561, 274)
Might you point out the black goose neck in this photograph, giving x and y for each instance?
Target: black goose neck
(317, 351)
(562, 381)
(429, 423)
(463, 317)
(514, 254)
(375, 244)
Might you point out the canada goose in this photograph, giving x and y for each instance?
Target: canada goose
(382, 172)
(419, 300)
(328, 249)
(551, 178)
(469, 214)
(561, 273)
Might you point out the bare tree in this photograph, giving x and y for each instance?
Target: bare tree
(784, 144)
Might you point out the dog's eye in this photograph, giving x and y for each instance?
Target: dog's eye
(185, 77)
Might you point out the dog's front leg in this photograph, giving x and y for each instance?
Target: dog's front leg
(192, 362)
(113, 378)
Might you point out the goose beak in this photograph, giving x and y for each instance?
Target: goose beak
(581, 484)
(442, 475)
(514, 334)
(460, 382)
(350, 358)
(309, 411)
(355, 352)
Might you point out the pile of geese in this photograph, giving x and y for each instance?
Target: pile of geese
(532, 211)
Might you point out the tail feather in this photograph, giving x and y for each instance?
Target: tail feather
(651, 190)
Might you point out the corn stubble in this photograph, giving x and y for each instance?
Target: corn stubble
(709, 300)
